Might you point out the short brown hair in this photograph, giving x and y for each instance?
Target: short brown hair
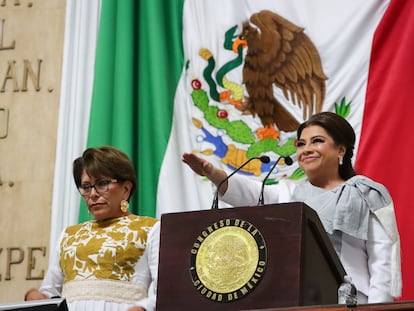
(105, 161)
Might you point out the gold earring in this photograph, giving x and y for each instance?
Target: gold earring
(124, 205)
(341, 160)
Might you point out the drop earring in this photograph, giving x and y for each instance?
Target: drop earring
(341, 160)
(124, 206)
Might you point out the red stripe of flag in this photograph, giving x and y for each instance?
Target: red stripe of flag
(386, 150)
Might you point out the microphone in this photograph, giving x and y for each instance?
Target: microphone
(288, 161)
(263, 159)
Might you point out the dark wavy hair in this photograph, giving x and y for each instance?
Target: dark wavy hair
(341, 132)
(105, 161)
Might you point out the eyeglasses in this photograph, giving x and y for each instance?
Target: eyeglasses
(100, 186)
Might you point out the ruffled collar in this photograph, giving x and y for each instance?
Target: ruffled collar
(346, 207)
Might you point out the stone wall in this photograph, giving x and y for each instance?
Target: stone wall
(31, 45)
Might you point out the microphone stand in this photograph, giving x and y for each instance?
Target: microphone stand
(288, 161)
(263, 159)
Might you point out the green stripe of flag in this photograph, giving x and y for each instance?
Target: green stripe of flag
(138, 63)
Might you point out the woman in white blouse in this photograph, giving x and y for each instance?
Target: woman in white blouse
(357, 213)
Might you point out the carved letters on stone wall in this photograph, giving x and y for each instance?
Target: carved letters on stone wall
(17, 75)
(16, 256)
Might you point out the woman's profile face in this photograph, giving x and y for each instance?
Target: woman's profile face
(317, 152)
(105, 203)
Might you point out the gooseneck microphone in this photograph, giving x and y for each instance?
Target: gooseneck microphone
(288, 161)
(263, 159)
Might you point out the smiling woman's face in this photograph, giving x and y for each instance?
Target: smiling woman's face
(317, 153)
(105, 204)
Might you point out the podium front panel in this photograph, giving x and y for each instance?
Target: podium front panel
(302, 267)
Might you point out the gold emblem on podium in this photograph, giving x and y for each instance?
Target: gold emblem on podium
(228, 259)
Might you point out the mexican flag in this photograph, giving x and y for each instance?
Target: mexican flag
(177, 76)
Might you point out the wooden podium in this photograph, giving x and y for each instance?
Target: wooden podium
(296, 262)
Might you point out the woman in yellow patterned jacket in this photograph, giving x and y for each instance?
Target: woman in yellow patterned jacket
(108, 263)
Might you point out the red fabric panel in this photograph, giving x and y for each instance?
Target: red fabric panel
(386, 149)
